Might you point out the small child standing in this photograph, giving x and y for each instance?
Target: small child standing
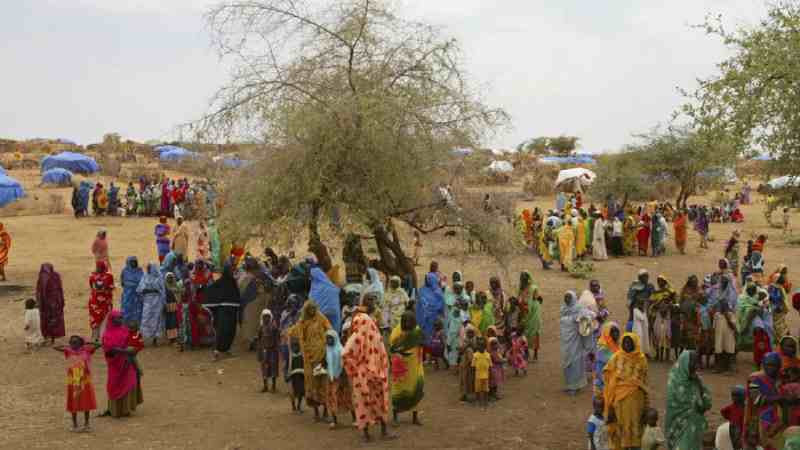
(136, 341)
(33, 328)
(417, 247)
(80, 390)
(724, 337)
(653, 438)
(661, 333)
(497, 375)
(269, 337)
(596, 426)
(437, 345)
(675, 336)
(734, 414)
(466, 371)
(519, 353)
(482, 362)
(295, 377)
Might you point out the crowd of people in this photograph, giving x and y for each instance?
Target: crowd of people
(149, 198)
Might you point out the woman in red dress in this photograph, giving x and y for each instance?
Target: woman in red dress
(199, 330)
(643, 235)
(102, 285)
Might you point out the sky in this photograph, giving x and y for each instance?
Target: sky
(602, 70)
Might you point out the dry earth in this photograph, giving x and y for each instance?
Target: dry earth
(191, 402)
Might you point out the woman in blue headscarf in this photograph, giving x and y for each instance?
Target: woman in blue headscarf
(154, 297)
(131, 300)
(574, 345)
(326, 295)
(431, 302)
(339, 398)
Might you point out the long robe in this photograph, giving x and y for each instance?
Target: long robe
(430, 305)
(599, 251)
(50, 298)
(153, 294)
(5, 245)
(573, 346)
(180, 240)
(680, 232)
(367, 366)
(310, 331)
(223, 298)
(566, 245)
(687, 396)
(408, 377)
(131, 300)
(625, 378)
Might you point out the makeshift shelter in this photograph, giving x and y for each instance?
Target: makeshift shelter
(576, 179)
(74, 162)
(235, 163)
(500, 167)
(10, 190)
(57, 176)
(578, 159)
(159, 149)
(461, 151)
(176, 154)
(786, 181)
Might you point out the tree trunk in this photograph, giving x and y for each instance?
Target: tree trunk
(355, 262)
(680, 198)
(315, 244)
(392, 259)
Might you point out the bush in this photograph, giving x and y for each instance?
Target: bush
(581, 270)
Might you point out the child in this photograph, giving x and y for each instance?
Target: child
(519, 353)
(512, 317)
(596, 426)
(482, 362)
(641, 326)
(295, 377)
(734, 413)
(653, 438)
(465, 370)
(80, 391)
(417, 248)
(269, 336)
(724, 337)
(661, 333)
(33, 329)
(438, 340)
(496, 375)
(705, 346)
(675, 329)
(135, 341)
(339, 393)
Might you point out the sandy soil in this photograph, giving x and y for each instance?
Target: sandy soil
(191, 402)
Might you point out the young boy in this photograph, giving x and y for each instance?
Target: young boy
(295, 377)
(482, 362)
(596, 426)
(661, 333)
(734, 413)
(33, 329)
(438, 342)
(268, 341)
(465, 370)
(653, 438)
(724, 338)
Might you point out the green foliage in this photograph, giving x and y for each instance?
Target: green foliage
(753, 99)
(544, 146)
(621, 176)
(581, 270)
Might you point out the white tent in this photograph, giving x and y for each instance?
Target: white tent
(500, 167)
(575, 179)
(784, 182)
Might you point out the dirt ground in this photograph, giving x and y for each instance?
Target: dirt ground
(191, 402)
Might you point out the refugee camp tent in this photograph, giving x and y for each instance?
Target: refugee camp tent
(74, 162)
(235, 163)
(461, 151)
(574, 180)
(57, 176)
(500, 167)
(159, 149)
(784, 182)
(176, 154)
(10, 190)
(578, 159)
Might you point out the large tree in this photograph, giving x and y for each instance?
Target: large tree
(360, 109)
(753, 99)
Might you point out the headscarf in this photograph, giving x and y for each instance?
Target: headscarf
(571, 349)
(310, 331)
(364, 355)
(788, 362)
(326, 295)
(333, 356)
(152, 280)
(375, 285)
(606, 341)
(430, 305)
(224, 290)
(121, 373)
(686, 397)
(291, 314)
(625, 373)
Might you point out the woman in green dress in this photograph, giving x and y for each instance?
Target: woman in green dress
(688, 399)
(408, 377)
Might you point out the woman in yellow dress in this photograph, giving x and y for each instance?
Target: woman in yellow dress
(580, 237)
(566, 244)
(626, 398)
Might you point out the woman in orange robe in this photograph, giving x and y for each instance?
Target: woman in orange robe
(5, 247)
(680, 232)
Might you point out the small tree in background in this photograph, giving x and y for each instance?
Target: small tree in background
(550, 146)
(622, 177)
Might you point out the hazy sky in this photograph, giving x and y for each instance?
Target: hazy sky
(598, 69)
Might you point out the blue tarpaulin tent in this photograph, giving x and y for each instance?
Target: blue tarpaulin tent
(59, 176)
(577, 159)
(74, 162)
(175, 154)
(235, 163)
(10, 190)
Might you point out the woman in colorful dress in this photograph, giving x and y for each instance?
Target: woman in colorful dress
(153, 294)
(625, 393)
(80, 389)
(607, 346)
(310, 330)
(679, 225)
(408, 378)
(499, 307)
(643, 235)
(130, 278)
(101, 300)
(763, 406)
(531, 312)
(5, 248)
(690, 317)
(162, 232)
(203, 251)
(100, 249)
(123, 384)
(50, 298)
(688, 399)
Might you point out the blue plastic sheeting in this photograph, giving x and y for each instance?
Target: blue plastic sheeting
(159, 149)
(461, 151)
(235, 163)
(10, 190)
(176, 154)
(3, 171)
(59, 176)
(762, 158)
(577, 159)
(74, 162)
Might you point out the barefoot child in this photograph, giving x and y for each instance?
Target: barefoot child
(295, 377)
(661, 333)
(465, 369)
(33, 329)
(734, 414)
(80, 391)
(653, 438)
(482, 362)
(269, 336)
(519, 353)
(496, 374)
(437, 345)
(596, 426)
(135, 341)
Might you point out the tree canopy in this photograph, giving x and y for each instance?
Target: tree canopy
(360, 109)
(544, 146)
(753, 99)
